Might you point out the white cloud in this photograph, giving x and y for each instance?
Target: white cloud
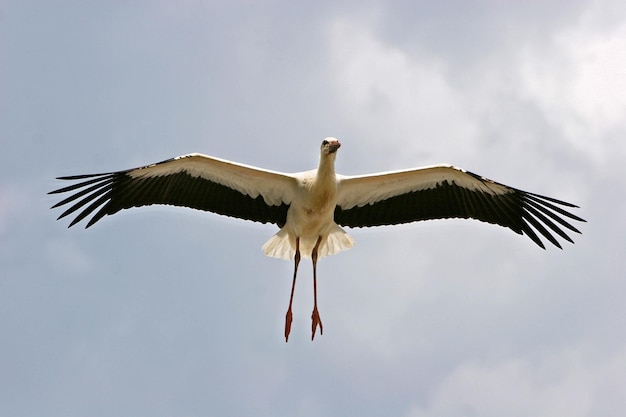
(579, 81)
(561, 384)
(388, 94)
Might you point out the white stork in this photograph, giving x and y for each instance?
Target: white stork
(309, 207)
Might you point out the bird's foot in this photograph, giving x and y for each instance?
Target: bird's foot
(315, 317)
(288, 320)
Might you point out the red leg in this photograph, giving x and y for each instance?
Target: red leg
(288, 317)
(315, 316)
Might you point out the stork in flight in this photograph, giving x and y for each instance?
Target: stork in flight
(309, 207)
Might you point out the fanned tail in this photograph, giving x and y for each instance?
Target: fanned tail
(280, 246)
(283, 247)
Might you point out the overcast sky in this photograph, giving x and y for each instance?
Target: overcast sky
(173, 312)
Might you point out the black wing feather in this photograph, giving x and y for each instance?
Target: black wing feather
(106, 194)
(523, 212)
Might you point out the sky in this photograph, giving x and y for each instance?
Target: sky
(166, 311)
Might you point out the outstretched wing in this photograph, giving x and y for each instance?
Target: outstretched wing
(197, 181)
(444, 191)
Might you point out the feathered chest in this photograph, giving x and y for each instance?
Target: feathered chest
(318, 197)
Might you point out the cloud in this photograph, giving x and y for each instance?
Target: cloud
(389, 95)
(564, 383)
(578, 79)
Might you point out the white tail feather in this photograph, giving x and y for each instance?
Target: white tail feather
(281, 246)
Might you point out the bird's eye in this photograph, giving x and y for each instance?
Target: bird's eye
(324, 142)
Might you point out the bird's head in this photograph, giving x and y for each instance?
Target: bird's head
(330, 146)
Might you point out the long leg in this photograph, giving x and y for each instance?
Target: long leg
(315, 316)
(288, 317)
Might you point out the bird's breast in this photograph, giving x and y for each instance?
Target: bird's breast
(323, 200)
(313, 214)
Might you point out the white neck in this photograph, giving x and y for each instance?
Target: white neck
(326, 166)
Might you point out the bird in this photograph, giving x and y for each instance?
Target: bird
(311, 207)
